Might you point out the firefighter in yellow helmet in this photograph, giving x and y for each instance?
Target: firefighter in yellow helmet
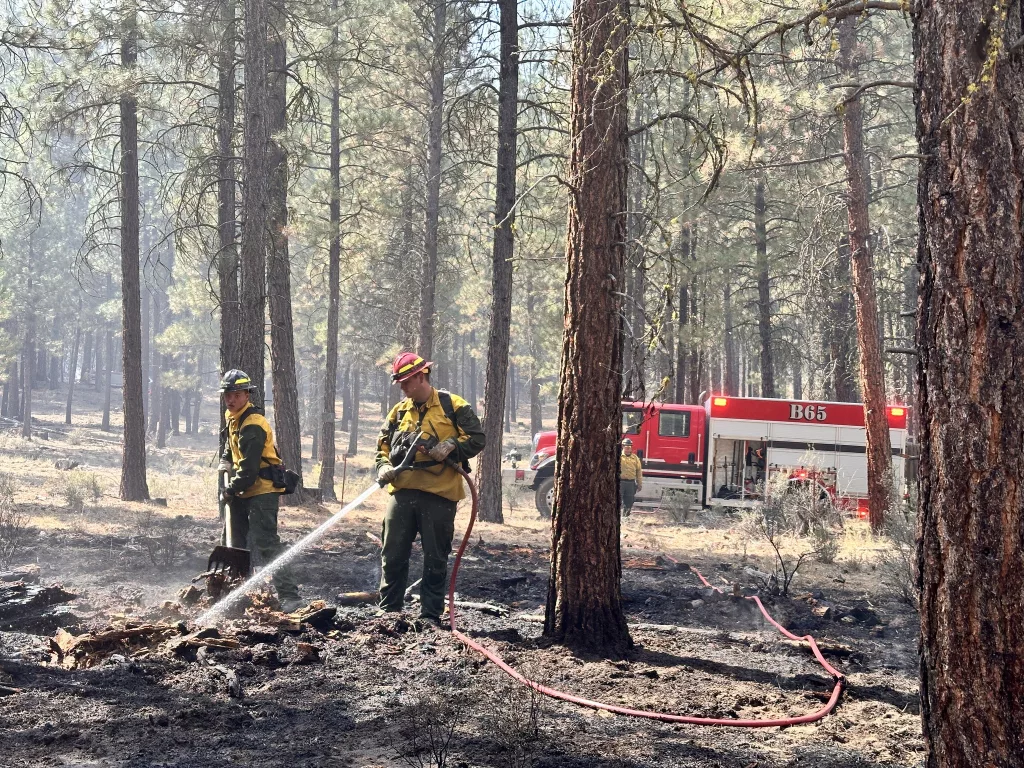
(424, 498)
(252, 498)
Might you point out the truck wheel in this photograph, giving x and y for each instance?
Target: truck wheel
(545, 496)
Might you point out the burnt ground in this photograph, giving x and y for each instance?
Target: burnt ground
(371, 679)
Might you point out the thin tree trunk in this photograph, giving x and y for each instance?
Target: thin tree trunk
(733, 377)
(287, 431)
(536, 410)
(683, 343)
(74, 366)
(155, 364)
(698, 367)
(428, 284)
(839, 329)
(495, 389)
(353, 429)
(108, 357)
(86, 358)
(872, 379)
(28, 361)
(197, 395)
(146, 336)
(256, 205)
(333, 291)
(970, 334)
(472, 371)
(584, 606)
(764, 302)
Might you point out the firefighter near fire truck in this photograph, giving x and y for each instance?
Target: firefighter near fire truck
(422, 440)
(631, 476)
(256, 480)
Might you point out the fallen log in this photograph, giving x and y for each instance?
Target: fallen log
(491, 608)
(83, 651)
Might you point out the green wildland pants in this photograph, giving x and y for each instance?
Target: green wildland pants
(431, 516)
(257, 516)
(627, 490)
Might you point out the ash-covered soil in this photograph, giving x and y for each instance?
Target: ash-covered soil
(362, 689)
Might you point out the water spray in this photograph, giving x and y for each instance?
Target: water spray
(217, 612)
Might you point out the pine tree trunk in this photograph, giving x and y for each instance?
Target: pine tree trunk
(683, 342)
(197, 395)
(435, 118)
(473, 401)
(227, 230)
(74, 366)
(86, 358)
(731, 384)
(133, 464)
(495, 389)
(536, 409)
(970, 335)
(155, 364)
(584, 606)
(698, 364)
(333, 293)
(256, 210)
(27, 364)
(287, 431)
(764, 302)
(872, 379)
(353, 429)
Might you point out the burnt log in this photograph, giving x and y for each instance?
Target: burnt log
(34, 608)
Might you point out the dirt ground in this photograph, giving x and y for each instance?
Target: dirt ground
(354, 691)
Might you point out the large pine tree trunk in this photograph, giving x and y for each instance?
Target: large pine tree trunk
(287, 430)
(489, 463)
(970, 335)
(764, 301)
(872, 379)
(435, 118)
(133, 464)
(584, 607)
(330, 384)
(256, 234)
(227, 255)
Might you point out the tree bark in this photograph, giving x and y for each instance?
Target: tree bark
(764, 301)
(495, 390)
(970, 334)
(428, 285)
(327, 445)
(287, 431)
(872, 378)
(584, 607)
(256, 213)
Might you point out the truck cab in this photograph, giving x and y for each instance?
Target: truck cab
(668, 438)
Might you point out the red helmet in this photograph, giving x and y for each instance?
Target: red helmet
(408, 364)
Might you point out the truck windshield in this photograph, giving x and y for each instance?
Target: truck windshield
(631, 421)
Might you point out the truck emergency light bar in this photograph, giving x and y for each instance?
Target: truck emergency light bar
(813, 412)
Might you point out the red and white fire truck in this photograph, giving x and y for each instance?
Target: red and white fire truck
(724, 452)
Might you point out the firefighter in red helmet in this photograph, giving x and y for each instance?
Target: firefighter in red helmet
(423, 499)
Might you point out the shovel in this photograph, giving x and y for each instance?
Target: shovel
(227, 559)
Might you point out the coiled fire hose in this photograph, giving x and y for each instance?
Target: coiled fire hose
(492, 656)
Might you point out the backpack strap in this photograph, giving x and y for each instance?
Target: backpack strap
(444, 397)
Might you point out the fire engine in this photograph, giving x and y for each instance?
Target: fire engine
(724, 452)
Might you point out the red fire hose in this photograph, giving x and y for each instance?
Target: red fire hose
(664, 717)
